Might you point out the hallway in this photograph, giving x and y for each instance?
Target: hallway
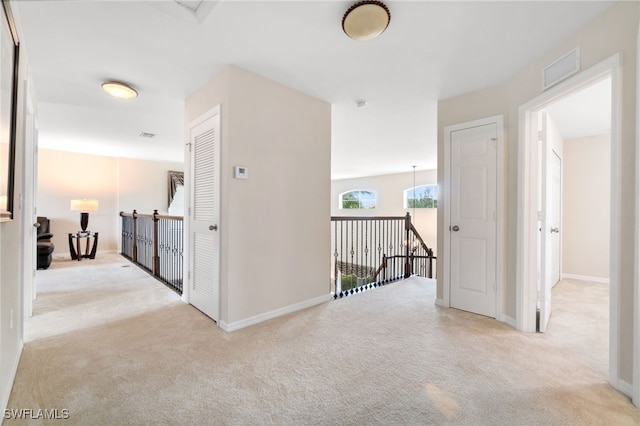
(112, 345)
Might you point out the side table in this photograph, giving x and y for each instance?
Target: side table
(74, 249)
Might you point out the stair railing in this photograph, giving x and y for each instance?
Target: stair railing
(154, 242)
(372, 251)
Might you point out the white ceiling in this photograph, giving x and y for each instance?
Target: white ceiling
(431, 51)
(584, 113)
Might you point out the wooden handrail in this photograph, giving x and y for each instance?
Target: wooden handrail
(159, 216)
(356, 218)
(149, 234)
(389, 246)
(422, 243)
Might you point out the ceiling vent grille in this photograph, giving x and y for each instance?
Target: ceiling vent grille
(147, 135)
(564, 67)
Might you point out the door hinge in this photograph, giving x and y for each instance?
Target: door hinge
(189, 145)
(495, 143)
(188, 211)
(189, 275)
(495, 216)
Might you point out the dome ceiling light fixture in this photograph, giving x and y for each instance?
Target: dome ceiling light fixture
(119, 90)
(366, 20)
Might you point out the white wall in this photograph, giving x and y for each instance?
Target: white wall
(119, 184)
(143, 185)
(389, 190)
(613, 32)
(274, 227)
(586, 203)
(63, 176)
(11, 306)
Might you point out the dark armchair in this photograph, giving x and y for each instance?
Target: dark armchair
(45, 246)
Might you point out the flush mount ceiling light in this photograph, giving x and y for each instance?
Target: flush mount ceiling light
(119, 90)
(366, 20)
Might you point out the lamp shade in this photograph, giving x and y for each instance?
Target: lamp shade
(84, 205)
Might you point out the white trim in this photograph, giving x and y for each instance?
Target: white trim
(446, 214)
(498, 120)
(67, 255)
(237, 325)
(526, 269)
(636, 279)
(586, 278)
(625, 387)
(6, 393)
(508, 320)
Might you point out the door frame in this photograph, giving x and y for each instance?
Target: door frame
(636, 310)
(526, 246)
(498, 120)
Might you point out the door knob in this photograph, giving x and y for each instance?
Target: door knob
(213, 227)
(36, 225)
(555, 230)
(455, 228)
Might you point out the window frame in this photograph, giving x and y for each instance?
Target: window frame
(408, 191)
(359, 200)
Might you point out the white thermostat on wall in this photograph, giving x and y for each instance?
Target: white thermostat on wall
(241, 172)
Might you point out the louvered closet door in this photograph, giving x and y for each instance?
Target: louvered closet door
(204, 214)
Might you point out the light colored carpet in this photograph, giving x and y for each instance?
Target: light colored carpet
(114, 346)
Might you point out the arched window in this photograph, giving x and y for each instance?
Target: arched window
(421, 197)
(358, 199)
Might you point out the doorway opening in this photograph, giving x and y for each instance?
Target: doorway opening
(532, 223)
(574, 198)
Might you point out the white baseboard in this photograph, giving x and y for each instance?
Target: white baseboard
(508, 320)
(586, 278)
(624, 387)
(273, 314)
(6, 387)
(440, 302)
(67, 255)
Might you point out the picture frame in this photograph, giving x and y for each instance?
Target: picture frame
(9, 68)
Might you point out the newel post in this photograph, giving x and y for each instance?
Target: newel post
(156, 256)
(407, 261)
(134, 251)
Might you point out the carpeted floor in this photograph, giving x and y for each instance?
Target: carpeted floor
(113, 346)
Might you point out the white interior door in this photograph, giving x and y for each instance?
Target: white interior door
(473, 205)
(30, 170)
(555, 216)
(550, 219)
(204, 241)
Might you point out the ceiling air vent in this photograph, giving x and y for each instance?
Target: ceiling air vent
(147, 135)
(562, 68)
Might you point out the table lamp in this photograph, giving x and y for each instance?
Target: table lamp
(84, 206)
